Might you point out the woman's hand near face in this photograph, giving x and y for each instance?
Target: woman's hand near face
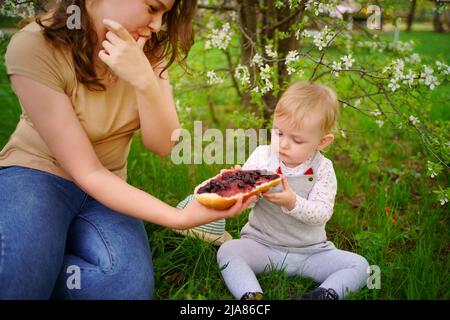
(124, 55)
(157, 113)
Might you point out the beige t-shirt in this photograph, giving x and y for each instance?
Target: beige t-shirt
(109, 117)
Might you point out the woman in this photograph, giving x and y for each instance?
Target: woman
(70, 225)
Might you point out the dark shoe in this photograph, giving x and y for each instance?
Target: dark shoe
(252, 296)
(320, 294)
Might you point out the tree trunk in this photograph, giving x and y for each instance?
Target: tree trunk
(269, 17)
(437, 23)
(260, 21)
(284, 46)
(412, 12)
(248, 20)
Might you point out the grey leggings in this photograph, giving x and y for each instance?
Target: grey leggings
(242, 259)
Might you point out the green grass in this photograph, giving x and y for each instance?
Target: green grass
(8, 22)
(383, 209)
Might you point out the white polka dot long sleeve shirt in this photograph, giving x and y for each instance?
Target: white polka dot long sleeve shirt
(317, 209)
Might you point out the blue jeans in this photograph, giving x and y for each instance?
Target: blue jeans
(57, 242)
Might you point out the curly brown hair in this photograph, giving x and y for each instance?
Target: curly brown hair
(174, 41)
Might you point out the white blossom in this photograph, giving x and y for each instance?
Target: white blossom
(409, 78)
(242, 74)
(300, 73)
(233, 16)
(348, 61)
(269, 51)
(414, 58)
(219, 38)
(442, 67)
(257, 60)
(336, 67)
(393, 85)
(413, 120)
(344, 7)
(431, 170)
(432, 173)
(386, 69)
(322, 38)
(376, 113)
(319, 7)
(401, 46)
(398, 65)
(11, 8)
(290, 70)
(177, 105)
(372, 45)
(326, 8)
(291, 58)
(266, 73)
(308, 33)
(213, 78)
(428, 78)
(380, 123)
(380, 46)
(309, 4)
(443, 200)
(180, 108)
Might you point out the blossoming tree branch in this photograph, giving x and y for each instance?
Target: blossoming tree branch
(319, 41)
(337, 42)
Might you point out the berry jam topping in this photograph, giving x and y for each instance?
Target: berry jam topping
(233, 182)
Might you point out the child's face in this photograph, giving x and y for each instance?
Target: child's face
(295, 145)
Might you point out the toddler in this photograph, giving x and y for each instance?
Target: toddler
(286, 227)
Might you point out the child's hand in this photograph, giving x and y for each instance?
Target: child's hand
(285, 198)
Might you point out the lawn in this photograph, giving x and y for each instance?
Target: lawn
(383, 210)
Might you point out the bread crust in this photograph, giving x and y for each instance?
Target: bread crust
(215, 201)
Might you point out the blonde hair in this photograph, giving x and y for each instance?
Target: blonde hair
(304, 98)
